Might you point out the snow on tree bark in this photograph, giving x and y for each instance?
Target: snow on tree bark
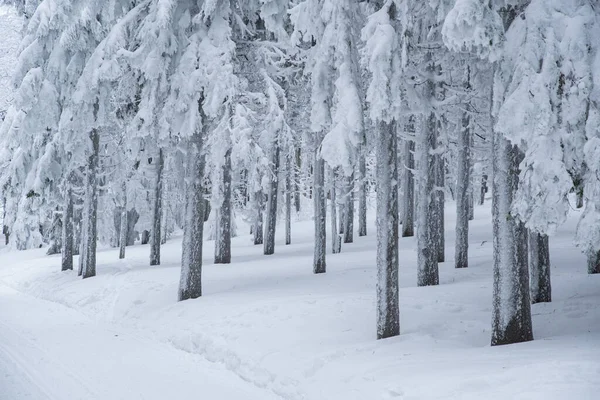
(319, 261)
(362, 190)
(67, 231)
(297, 170)
(439, 201)
(461, 258)
(336, 245)
(349, 209)
(123, 223)
(190, 283)
(511, 315)
(90, 234)
(388, 314)
(55, 233)
(271, 223)
(157, 212)
(288, 200)
(539, 268)
(427, 257)
(259, 199)
(223, 216)
(408, 208)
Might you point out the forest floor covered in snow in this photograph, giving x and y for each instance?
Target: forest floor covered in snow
(267, 328)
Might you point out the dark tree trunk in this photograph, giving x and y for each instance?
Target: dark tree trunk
(349, 209)
(362, 190)
(461, 259)
(145, 237)
(67, 231)
(593, 261)
(123, 223)
(90, 235)
(336, 245)
(157, 214)
(484, 189)
(427, 257)
(258, 222)
(388, 316)
(288, 200)
(539, 268)
(271, 223)
(408, 219)
(320, 212)
(223, 217)
(190, 284)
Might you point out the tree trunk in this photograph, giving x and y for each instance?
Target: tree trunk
(484, 188)
(259, 200)
(269, 247)
(427, 257)
(539, 268)
(593, 262)
(408, 219)
(157, 214)
(349, 209)
(440, 201)
(319, 263)
(362, 190)
(90, 235)
(123, 224)
(461, 258)
(190, 283)
(297, 179)
(132, 218)
(223, 217)
(336, 245)
(67, 231)
(55, 234)
(511, 316)
(288, 201)
(388, 316)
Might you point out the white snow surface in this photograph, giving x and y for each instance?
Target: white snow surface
(267, 328)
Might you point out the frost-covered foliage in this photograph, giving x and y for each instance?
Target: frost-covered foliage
(546, 83)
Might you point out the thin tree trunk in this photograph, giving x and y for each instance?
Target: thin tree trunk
(190, 283)
(297, 179)
(319, 263)
(123, 223)
(157, 214)
(427, 257)
(223, 217)
(511, 315)
(539, 268)
(470, 183)
(484, 183)
(90, 235)
(408, 219)
(336, 245)
(349, 209)
(362, 190)
(288, 201)
(388, 317)
(269, 247)
(461, 259)
(440, 202)
(258, 222)
(67, 231)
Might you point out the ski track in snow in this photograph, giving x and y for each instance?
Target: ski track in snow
(267, 328)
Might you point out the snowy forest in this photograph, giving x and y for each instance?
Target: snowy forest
(136, 125)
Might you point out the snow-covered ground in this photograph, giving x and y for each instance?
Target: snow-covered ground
(267, 328)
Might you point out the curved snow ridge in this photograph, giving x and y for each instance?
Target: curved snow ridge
(196, 343)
